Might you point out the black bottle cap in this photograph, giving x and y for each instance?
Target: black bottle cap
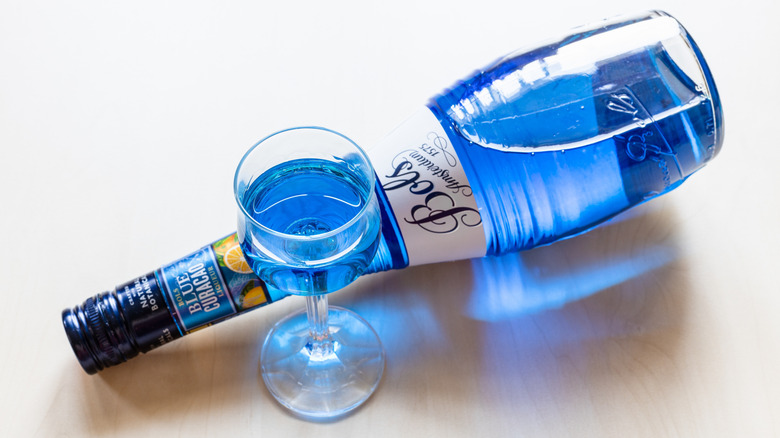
(97, 333)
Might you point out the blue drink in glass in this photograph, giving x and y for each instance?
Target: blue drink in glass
(309, 223)
(307, 200)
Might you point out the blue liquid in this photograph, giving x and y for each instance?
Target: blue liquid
(552, 151)
(297, 208)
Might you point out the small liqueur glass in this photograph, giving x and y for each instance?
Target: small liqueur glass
(309, 224)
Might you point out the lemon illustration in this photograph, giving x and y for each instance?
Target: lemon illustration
(253, 297)
(234, 260)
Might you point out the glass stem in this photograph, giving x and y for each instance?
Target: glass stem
(317, 311)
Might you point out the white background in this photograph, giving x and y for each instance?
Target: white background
(121, 124)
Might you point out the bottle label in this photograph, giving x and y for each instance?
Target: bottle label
(197, 290)
(429, 193)
(145, 310)
(212, 284)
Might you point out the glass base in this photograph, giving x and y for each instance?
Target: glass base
(325, 380)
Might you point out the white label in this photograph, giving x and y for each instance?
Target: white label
(427, 188)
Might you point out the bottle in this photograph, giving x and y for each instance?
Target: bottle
(541, 145)
(548, 142)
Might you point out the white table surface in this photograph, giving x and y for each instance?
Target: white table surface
(121, 124)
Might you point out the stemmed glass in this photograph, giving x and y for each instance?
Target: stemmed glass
(309, 224)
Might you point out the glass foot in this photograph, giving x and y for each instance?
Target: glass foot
(322, 380)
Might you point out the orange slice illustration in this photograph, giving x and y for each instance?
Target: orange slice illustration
(234, 260)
